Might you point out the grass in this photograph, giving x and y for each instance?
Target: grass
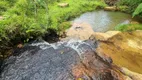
(128, 27)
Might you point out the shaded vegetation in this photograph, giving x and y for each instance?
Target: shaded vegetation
(131, 5)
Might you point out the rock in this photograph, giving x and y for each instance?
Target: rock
(1, 18)
(63, 4)
(82, 31)
(104, 36)
(125, 48)
(111, 8)
(132, 75)
(20, 45)
(68, 60)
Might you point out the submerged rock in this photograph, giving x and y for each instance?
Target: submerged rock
(68, 60)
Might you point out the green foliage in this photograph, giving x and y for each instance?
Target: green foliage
(132, 4)
(138, 10)
(5, 5)
(123, 8)
(128, 27)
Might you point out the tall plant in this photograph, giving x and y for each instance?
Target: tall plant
(138, 10)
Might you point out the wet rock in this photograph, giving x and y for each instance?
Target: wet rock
(68, 60)
(63, 4)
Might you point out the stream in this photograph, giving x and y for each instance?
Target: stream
(102, 21)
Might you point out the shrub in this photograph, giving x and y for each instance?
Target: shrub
(138, 10)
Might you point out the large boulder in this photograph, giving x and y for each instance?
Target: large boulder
(125, 48)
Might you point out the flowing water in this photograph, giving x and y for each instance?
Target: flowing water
(102, 21)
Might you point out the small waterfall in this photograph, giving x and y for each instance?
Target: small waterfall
(41, 60)
(78, 45)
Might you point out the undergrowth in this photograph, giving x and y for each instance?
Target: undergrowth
(131, 5)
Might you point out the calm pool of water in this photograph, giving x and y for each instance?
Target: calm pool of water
(102, 21)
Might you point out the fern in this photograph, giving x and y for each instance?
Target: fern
(138, 10)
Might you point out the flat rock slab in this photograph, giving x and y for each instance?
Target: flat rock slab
(63, 4)
(82, 31)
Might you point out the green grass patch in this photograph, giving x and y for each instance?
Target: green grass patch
(128, 27)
